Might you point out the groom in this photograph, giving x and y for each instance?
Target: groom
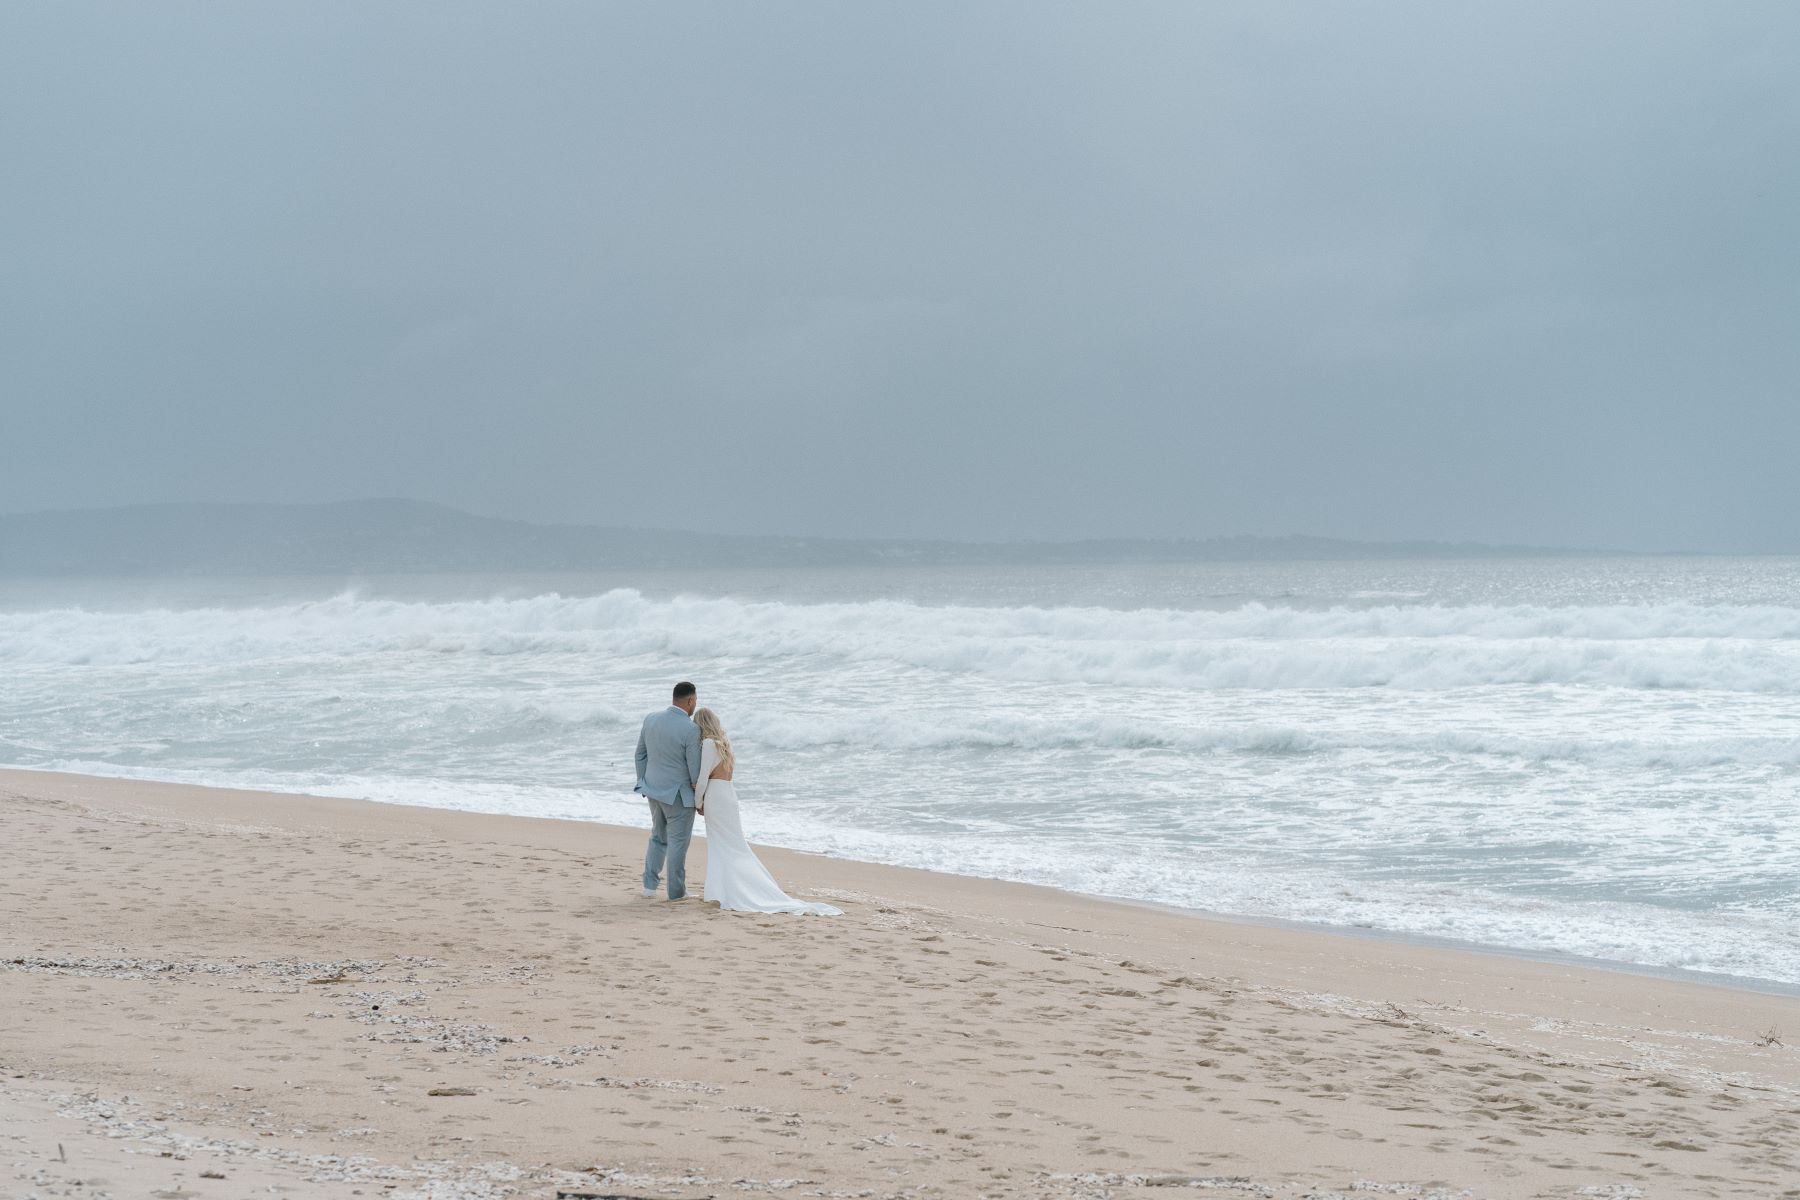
(668, 767)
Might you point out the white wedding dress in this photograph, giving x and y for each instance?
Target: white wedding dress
(735, 877)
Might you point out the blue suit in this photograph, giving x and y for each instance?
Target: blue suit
(668, 767)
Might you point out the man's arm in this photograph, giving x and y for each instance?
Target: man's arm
(693, 756)
(643, 761)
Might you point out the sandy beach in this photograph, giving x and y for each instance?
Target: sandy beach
(220, 993)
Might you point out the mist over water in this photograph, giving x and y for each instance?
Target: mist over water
(1590, 756)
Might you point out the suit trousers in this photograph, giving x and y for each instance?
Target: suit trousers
(671, 826)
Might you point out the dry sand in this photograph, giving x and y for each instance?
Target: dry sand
(218, 993)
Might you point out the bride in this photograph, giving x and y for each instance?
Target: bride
(735, 877)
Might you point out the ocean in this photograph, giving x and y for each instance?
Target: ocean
(1597, 757)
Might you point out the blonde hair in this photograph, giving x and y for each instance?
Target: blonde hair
(708, 721)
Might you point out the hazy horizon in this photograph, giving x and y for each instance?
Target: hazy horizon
(372, 502)
(1514, 275)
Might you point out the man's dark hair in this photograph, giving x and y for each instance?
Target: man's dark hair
(683, 690)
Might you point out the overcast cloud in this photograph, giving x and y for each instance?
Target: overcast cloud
(1510, 272)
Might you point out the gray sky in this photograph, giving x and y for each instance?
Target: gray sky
(1500, 271)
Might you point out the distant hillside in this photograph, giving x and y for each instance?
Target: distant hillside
(406, 536)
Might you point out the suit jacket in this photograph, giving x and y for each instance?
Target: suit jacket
(668, 757)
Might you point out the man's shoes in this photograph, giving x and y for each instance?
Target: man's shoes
(648, 893)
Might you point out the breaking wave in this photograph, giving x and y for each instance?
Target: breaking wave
(1748, 648)
(1003, 731)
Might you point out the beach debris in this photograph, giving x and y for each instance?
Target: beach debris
(1769, 1037)
(370, 1008)
(672, 1085)
(212, 1174)
(140, 968)
(1109, 1179)
(569, 1056)
(442, 1179)
(451, 1091)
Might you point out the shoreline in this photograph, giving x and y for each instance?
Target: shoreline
(1425, 941)
(1753, 984)
(342, 997)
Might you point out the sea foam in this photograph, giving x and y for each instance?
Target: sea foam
(1684, 646)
